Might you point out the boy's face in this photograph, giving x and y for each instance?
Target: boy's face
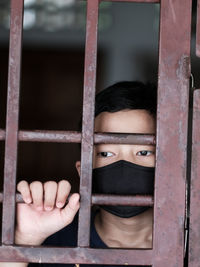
(125, 121)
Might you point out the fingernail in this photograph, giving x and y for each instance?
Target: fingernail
(48, 208)
(28, 200)
(59, 204)
(77, 198)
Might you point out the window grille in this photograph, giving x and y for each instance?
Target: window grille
(172, 124)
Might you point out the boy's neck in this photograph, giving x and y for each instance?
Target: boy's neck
(134, 232)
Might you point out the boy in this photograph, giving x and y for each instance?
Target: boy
(117, 169)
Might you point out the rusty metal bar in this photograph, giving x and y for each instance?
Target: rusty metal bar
(198, 30)
(76, 255)
(75, 137)
(172, 118)
(10, 166)
(18, 198)
(2, 135)
(122, 200)
(194, 234)
(50, 136)
(100, 199)
(88, 123)
(119, 138)
(133, 1)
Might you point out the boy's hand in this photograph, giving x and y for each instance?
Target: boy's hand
(43, 213)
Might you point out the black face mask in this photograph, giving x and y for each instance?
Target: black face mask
(124, 178)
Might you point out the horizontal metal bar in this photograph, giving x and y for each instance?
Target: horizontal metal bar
(123, 138)
(75, 137)
(50, 136)
(18, 198)
(2, 134)
(133, 1)
(100, 199)
(122, 200)
(76, 255)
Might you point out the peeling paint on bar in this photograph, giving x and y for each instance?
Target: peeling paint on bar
(63, 255)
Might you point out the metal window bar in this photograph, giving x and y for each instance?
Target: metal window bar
(100, 199)
(16, 28)
(198, 30)
(194, 236)
(172, 119)
(88, 123)
(75, 137)
(174, 73)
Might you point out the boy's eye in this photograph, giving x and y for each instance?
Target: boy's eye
(104, 154)
(145, 153)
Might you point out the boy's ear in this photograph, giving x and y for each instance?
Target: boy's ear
(78, 167)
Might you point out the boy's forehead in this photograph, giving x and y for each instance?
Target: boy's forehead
(127, 121)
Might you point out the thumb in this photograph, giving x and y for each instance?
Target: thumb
(71, 209)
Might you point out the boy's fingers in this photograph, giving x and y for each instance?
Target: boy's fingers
(71, 209)
(23, 188)
(37, 194)
(50, 190)
(63, 191)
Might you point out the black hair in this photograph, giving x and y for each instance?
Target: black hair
(127, 95)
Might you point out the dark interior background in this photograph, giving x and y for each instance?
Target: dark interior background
(51, 99)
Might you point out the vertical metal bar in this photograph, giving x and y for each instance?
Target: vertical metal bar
(198, 30)
(173, 97)
(194, 237)
(16, 28)
(88, 122)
